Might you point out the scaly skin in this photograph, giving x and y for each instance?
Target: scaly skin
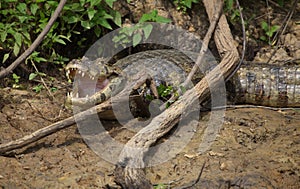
(259, 84)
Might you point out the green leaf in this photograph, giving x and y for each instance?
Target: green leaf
(148, 16)
(160, 89)
(21, 7)
(95, 2)
(59, 41)
(263, 38)
(22, 18)
(154, 17)
(97, 31)
(110, 3)
(26, 35)
(16, 77)
(188, 3)
(38, 88)
(53, 89)
(107, 16)
(104, 23)
(136, 39)
(117, 19)
(149, 97)
(274, 28)
(82, 2)
(40, 59)
(71, 19)
(229, 4)
(85, 24)
(147, 30)
(162, 19)
(3, 36)
(91, 13)
(34, 8)
(264, 26)
(64, 37)
(52, 3)
(18, 38)
(16, 49)
(32, 76)
(5, 57)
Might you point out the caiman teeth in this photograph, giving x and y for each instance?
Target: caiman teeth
(70, 95)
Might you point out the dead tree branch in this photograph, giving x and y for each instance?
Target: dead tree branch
(103, 107)
(129, 173)
(36, 42)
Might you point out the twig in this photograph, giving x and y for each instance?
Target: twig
(36, 42)
(197, 180)
(278, 6)
(202, 52)
(244, 41)
(254, 106)
(56, 118)
(45, 85)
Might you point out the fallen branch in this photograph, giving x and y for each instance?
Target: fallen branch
(35, 44)
(101, 108)
(129, 172)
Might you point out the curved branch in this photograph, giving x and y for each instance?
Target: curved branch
(36, 42)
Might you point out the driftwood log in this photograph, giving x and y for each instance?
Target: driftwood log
(129, 172)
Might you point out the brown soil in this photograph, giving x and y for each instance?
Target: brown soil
(255, 148)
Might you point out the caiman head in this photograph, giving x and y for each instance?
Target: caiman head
(89, 77)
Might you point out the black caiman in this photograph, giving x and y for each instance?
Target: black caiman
(254, 83)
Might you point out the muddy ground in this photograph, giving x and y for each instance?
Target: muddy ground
(255, 147)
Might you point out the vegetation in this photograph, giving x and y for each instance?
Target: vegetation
(22, 21)
(184, 4)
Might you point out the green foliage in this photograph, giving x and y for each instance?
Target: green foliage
(165, 91)
(133, 34)
(38, 88)
(136, 33)
(22, 21)
(184, 4)
(231, 11)
(280, 2)
(269, 31)
(16, 79)
(153, 17)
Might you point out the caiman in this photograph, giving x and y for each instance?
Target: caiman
(254, 83)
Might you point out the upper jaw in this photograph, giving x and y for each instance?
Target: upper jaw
(73, 70)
